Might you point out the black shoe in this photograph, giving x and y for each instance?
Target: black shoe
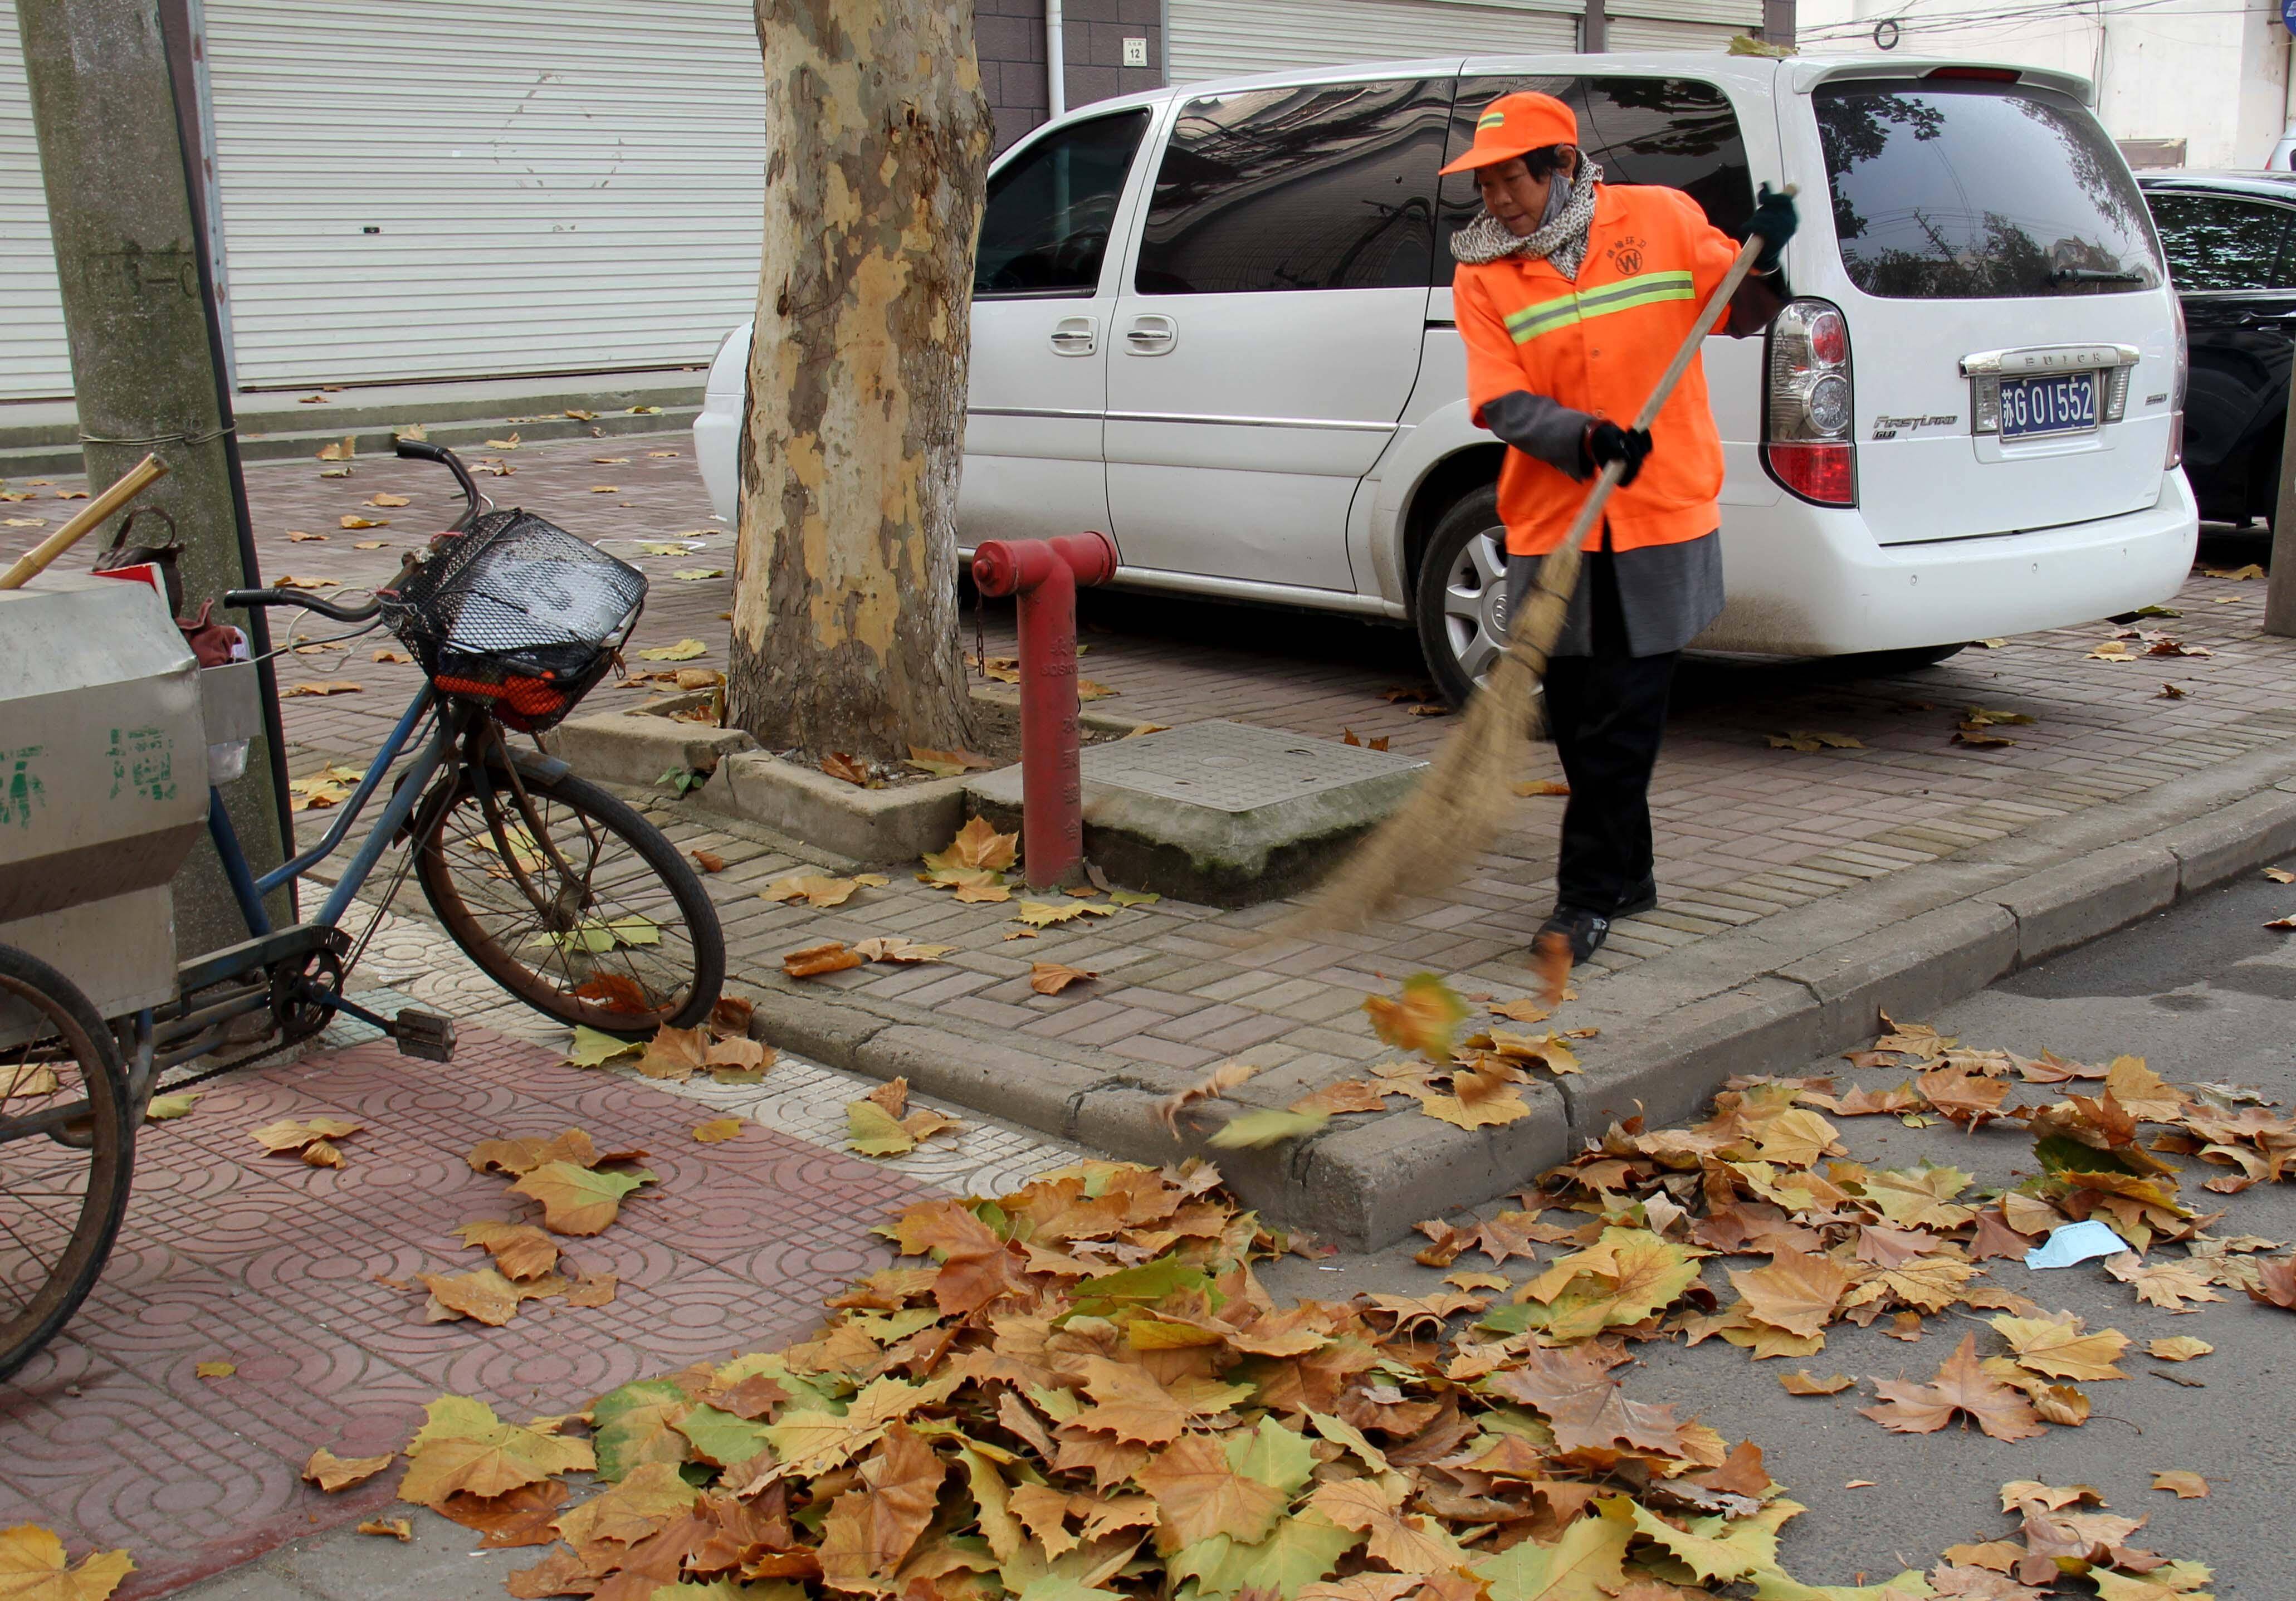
(1642, 898)
(1585, 931)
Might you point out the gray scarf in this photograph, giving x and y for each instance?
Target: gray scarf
(1561, 236)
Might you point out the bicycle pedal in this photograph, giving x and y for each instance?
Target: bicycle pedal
(426, 1035)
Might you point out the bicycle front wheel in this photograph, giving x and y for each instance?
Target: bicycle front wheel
(67, 1153)
(573, 902)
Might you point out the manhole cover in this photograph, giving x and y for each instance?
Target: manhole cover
(1234, 767)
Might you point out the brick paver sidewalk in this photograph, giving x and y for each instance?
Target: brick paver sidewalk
(110, 1437)
(1744, 830)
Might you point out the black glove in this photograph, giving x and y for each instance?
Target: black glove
(1774, 220)
(1607, 442)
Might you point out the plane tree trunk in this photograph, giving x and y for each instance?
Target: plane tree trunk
(877, 138)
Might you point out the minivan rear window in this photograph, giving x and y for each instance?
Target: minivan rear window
(1979, 190)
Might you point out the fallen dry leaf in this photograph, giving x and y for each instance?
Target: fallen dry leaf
(1050, 978)
(396, 1528)
(978, 846)
(718, 1130)
(1542, 786)
(316, 687)
(2184, 1486)
(2178, 1348)
(214, 1370)
(1962, 1386)
(332, 1473)
(1800, 1383)
(1212, 1085)
(708, 861)
(831, 956)
(816, 891)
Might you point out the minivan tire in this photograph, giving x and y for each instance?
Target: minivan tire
(1459, 601)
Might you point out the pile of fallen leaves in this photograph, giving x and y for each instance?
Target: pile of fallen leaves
(1081, 1389)
(719, 1046)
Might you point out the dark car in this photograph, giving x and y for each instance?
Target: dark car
(2231, 243)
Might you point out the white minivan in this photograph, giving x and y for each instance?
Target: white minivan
(1215, 322)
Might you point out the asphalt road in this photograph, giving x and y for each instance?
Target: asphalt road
(2202, 993)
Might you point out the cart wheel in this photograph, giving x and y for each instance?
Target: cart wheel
(66, 1153)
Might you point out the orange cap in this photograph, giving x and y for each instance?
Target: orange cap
(1515, 124)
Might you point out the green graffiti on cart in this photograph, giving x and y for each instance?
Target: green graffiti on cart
(23, 789)
(143, 760)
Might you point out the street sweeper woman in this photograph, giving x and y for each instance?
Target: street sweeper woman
(1572, 296)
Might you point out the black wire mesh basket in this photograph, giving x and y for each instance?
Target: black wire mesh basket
(519, 613)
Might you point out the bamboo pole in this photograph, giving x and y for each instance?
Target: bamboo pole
(34, 562)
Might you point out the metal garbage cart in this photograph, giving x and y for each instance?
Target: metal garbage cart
(104, 790)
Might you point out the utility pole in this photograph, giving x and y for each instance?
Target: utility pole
(2280, 588)
(147, 355)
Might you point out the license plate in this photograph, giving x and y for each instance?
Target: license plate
(2058, 403)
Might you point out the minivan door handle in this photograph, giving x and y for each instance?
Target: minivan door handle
(1076, 336)
(1151, 335)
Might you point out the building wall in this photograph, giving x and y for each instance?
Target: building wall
(1010, 35)
(2200, 70)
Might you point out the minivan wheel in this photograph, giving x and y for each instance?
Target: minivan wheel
(1461, 598)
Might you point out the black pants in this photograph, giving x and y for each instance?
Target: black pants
(1607, 713)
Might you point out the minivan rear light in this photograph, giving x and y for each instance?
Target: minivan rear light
(1809, 403)
(1825, 475)
(2182, 373)
(1977, 75)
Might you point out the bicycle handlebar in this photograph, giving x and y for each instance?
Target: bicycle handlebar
(420, 450)
(248, 598)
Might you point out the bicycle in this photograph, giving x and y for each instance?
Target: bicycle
(564, 895)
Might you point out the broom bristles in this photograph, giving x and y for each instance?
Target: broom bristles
(1463, 801)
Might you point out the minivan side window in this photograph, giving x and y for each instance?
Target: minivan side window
(1044, 228)
(1672, 131)
(2215, 243)
(1323, 186)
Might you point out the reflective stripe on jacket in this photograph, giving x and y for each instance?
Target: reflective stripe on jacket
(1599, 345)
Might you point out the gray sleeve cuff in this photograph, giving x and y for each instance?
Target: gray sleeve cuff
(1540, 427)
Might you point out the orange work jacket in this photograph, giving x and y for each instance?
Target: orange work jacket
(1599, 345)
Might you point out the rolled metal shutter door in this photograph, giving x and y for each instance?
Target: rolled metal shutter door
(1226, 38)
(35, 361)
(432, 189)
(1677, 24)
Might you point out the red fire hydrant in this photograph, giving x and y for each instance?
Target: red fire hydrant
(1045, 574)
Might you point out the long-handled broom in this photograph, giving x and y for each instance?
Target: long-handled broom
(1463, 802)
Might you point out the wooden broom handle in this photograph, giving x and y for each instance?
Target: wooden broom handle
(29, 566)
(1709, 315)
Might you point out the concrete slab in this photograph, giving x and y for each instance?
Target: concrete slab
(1217, 812)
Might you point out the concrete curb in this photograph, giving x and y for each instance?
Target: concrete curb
(1765, 998)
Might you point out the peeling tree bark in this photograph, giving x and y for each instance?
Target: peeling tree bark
(845, 634)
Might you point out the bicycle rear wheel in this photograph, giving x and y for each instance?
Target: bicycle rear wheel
(67, 1153)
(573, 902)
